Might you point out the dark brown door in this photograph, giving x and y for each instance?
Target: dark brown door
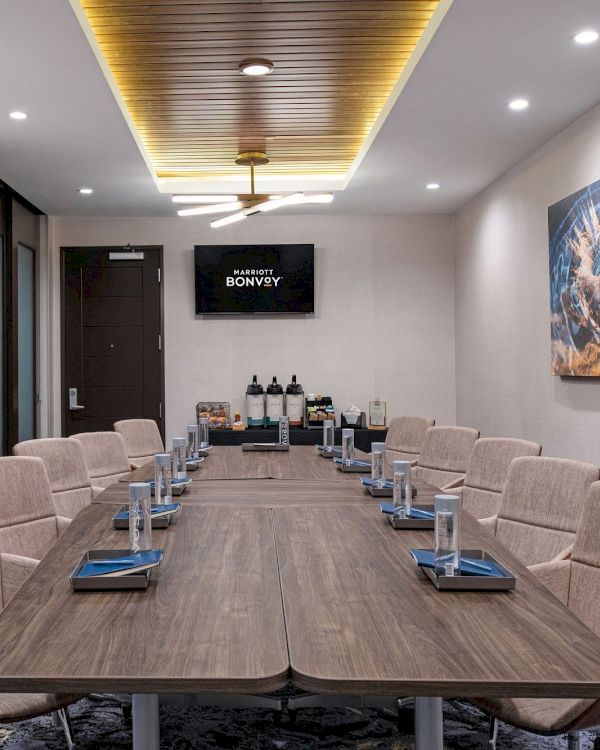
(112, 338)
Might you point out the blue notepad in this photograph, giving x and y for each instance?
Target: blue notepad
(414, 513)
(156, 511)
(368, 482)
(356, 462)
(120, 566)
(425, 558)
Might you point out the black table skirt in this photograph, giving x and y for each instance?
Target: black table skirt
(298, 436)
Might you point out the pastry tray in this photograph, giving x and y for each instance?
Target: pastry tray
(474, 583)
(413, 523)
(130, 582)
(265, 447)
(157, 523)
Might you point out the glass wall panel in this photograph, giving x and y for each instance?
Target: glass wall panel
(26, 345)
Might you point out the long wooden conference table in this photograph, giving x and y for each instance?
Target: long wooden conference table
(287, 572)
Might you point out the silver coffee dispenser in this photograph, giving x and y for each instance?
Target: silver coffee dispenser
(255, 404)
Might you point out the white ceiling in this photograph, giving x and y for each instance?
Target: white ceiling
(449, 125)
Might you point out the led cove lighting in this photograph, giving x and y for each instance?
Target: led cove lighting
(518, 104)
(17, 115)
(85, 191)
(432, 186)
(256, 67)
(204, 198)
(213, 208)
(586, 36)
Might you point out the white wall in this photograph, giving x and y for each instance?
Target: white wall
(504, 384)
(384, 322)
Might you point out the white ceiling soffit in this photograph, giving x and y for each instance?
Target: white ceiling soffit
(450, 123)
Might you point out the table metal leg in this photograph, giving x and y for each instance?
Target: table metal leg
(429, 724)
(146, 731)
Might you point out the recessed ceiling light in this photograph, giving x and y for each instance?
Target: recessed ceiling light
(432, 186)
(586, 36)
(17, 115)
(518, 104)
(85, 190)
(258, 67)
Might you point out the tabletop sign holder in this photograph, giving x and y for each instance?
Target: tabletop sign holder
(122, 523)
(506, 582)
(415, 524)
(130, 582)
(377, 414)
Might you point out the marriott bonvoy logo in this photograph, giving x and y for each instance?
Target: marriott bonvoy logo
(253, 277)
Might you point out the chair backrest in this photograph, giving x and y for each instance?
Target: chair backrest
(105, 456)
(541, 506)
(405, 437)
(142, 439)
(27, 517)
(66, 469)
(444, 454)
(487, 470)
(584, 588)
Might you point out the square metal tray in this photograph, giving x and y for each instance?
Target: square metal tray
(473, 583)
(131, 582)
(352, 469)
(157, 523)
(413, 523)
(335, 452)
(265, 447)
(385, 491)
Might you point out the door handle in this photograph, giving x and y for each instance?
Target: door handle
(73, 405)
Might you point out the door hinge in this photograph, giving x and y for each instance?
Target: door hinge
(158, 275)
(160, 410)
(159, 343)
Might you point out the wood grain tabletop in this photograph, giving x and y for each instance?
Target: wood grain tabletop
(362, 618)
(211, 620)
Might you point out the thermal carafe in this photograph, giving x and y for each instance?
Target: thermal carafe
(294, 403)
(274, 403)
(255, 404)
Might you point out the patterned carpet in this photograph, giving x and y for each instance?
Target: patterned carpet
(101, 727)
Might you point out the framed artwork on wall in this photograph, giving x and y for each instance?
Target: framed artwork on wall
(574, 239)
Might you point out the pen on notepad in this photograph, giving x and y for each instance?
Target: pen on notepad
(476, 564)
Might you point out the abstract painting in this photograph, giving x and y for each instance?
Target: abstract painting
(574, 232)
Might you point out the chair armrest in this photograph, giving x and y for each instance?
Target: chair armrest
(556, 576)
(564, 555)
(455, 484)
(134, 465)
(489, 524)
(97, 490)
(62, 523)
(15, 570)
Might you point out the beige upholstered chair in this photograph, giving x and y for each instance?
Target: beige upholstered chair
(487, 470)
(405, 437)
(541, 507)
(576, 582)
(65, 465)
(142, 440)
(28, 528)
(444, 456)
(105, 456)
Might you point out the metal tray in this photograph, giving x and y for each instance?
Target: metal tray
(157, 523)
(385, 491)
(265, 447)
(473, 583)
(352, 469)
(131, 582)
(413, 523)
(335, 452)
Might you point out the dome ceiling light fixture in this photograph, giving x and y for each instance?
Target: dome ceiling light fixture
(256, 67)
(250, 203)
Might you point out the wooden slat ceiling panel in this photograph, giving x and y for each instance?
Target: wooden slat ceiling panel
(176, 65)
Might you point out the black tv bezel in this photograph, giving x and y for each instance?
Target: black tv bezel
(276, 313)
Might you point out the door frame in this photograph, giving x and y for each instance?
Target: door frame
(115, 249)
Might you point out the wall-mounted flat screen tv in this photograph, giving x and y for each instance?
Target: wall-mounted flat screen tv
(254, 279)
